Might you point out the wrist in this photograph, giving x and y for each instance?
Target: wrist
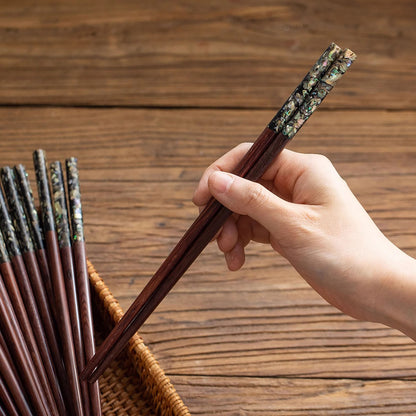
(396, 300)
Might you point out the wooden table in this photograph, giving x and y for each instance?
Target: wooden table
(147, 94)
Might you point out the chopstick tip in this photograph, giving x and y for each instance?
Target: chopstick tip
(349, 54)
(89, 374)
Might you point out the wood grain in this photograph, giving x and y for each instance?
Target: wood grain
(201, 54)
(266, 343)
(209, 222)
(278, 396)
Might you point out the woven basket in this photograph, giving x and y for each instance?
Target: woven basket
(134, 384)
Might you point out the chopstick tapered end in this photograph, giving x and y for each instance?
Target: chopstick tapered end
(89, 373)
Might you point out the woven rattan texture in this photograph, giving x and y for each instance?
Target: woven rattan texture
(134, 384)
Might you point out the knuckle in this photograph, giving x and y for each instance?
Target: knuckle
(256, 196)
(320, 160)
(215, 167)
(319, 163)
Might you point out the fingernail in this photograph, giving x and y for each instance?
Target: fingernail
(221, 181)
(235, 257)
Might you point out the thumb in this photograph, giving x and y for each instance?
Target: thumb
(250, 198)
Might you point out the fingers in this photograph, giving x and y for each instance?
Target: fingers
(315, 171)
(226, 163)
(283, 173)
(249, 198)
(274, 209)
(228, 237)
(303, 178)
(229, 243)
(235, 257)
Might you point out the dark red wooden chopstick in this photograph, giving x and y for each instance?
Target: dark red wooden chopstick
(18, 347)
(57, 277)
(23, 236)
(36, 234)
(17, 382)
(2, 410)
(283, 127)
(64, 240)
(29, 319)
(9, 357)
(82, 280)
(26, 195)
(10, 390)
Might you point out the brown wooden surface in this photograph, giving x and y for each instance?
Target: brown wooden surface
(258, 341)
(198, 54)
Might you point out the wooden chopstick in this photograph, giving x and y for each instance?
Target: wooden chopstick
(9, 358)
(26, 194)
(30, 319)
(17, 382)
(3, 411)
(7, 406)
(82, 280)
(64, 240)
(18, 347)
(14, 386)
(36, 233)
(11, 392)
(23, 236)
(287, 122)
(57, 277)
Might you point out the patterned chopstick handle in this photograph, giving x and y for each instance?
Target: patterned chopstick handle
(318, 93)
(74, 197)
(59, 204)
(298, 96)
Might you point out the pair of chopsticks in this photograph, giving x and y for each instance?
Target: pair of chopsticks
(331, 65)
(45, 313)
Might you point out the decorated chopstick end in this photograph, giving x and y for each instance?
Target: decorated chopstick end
(39, 161)
(319, 92)
(7, 229)
(74, 197)
(59, 204)
(339, 67)
(25, 190)
(16, 210)
(302, 91)
(4, 255)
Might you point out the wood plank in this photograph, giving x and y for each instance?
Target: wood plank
(287, 333)
(138, 172)
(229, 396)
(215, 54)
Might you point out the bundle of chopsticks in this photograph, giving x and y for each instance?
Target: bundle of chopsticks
(46, 334)
(304, 100)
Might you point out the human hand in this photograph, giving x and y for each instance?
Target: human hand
(307, 213)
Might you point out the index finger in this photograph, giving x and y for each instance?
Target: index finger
(226, 163)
